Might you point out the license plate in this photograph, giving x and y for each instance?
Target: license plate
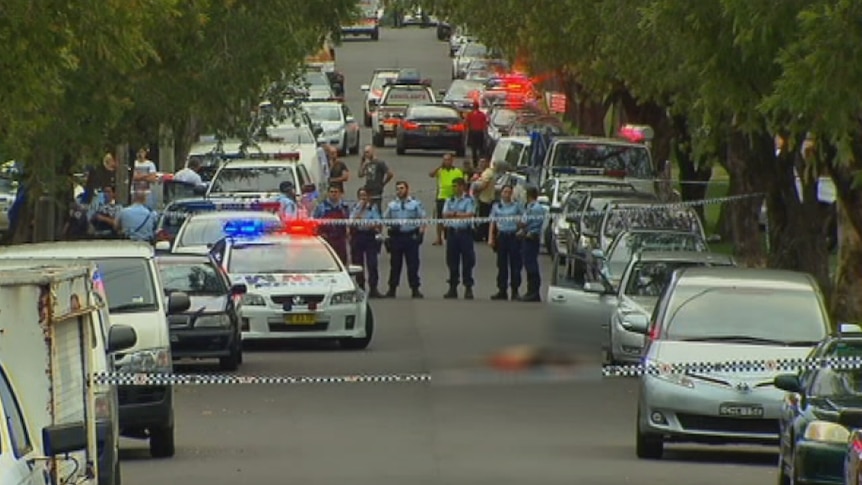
(433, 129)
(300, 319)
(740, 410)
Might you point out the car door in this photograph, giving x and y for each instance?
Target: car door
(18, 452)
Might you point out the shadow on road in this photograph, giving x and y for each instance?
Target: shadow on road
(715, 455)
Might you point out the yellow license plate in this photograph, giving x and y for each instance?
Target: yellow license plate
(433, 129)
(301, 319)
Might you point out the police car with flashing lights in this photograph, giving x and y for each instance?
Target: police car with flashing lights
(398, 95)
(298, 288)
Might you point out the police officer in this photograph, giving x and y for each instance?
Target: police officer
(365, 241)
(287, 200)
(137, 222)
(404, 239)
(335, 234)
(460, 253)
(530, 231)
(503, 239)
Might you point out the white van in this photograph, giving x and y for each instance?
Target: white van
(131, 280)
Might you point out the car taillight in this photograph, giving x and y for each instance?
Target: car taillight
(409, 125)
(457, 127)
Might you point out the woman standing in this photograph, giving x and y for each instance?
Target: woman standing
(364, 241)
(502, 237)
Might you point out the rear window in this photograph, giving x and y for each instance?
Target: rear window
(463, 89)
(631, 243)
(624, 219)
(503, 117)
(381, 78)
(252, 179)
(474, 49)
(293, 257)
(650, 278)
(193, 278)
(408, 95)
(129, 285)
(634, 160)
(433, 112)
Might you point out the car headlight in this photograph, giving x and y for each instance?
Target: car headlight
(678, 379)
(252, 299)
(826, 432)
(149, 360)
(221, 320)
(103, 405)
(346, 298)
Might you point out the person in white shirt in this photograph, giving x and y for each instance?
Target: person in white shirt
(145, 174)
(190, 175)
(323, 160)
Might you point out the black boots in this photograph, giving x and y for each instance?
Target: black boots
(415, 293)
(534, 284)
(500, 295)
(453, 292)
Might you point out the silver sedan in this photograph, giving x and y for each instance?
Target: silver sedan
(339, 128)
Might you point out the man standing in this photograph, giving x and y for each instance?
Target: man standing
(190, 175)
(145, 175)
(323, 161)
(338, 171)
(460, 253)
(530, 231)
(137, 222)
(404, 239)
(287, 208)
(376, 174)
(365, 242)
(477, 124)
(335, 234)
(503, 239)
(485, 190)
(446, 174)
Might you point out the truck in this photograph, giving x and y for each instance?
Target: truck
(46, 385)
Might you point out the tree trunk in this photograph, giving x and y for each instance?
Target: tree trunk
(845, 176)
(587, 114)
(694, 176)
(746, 178)
(846, 300)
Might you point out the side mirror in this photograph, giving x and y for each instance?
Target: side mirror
(121, 337)
(354, 269)
(200, 190)
(238, 289)
(178, 302)
(787, 382)
(849, 328)
(365, 88)
(850, 418)
(594, 287)
(442, 93)
(350, 119)
(636, 322)
(163, 246)
(544, 200)
(61, 439)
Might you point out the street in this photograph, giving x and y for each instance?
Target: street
(428, 432)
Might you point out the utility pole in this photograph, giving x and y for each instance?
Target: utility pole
(122, 157)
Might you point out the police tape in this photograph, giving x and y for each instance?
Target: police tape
(585, 372)
(634, 208)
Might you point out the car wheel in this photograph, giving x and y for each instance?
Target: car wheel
(378, 140)
(400, 148)
(343, 151)
(162, 442)
(361, 343)
(647, 446)
(375, 36)
(232, 361)
(366, 118)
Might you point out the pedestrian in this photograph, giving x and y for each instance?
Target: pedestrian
(137, 222)
(445, 174)
(468, 170)
(376, 174)
(339, 174)
(530, 230)
(365, 242)
(485, 191)
(404, 239)
(190, 174)
(101, 176)
(335, 234)
(145, 175)
(104, 212)
(323, 161)
(502, 237)
(460, 252)
(477, 124)
(287, 207)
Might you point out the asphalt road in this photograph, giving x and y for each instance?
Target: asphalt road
(469, 428)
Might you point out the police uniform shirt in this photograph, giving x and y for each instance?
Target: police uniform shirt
(287, 206)
(510, 212)
(459, 205)
(370, 214)
(408, 208)
(138, 222)
(327, 207)
(533, 218)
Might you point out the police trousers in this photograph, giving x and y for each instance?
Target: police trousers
(509, 264)
(404, 247)
(530, 257)
(339, 244)
(364, 249)
(460, 256)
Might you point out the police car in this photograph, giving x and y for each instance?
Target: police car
(297, 286)
(258, 177)
(397, 96)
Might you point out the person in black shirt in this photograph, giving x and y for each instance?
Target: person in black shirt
(104, 175)
(376, 174)
(339, 174)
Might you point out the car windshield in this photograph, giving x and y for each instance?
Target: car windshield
(192, 278)
(633, 242)
(746, 313)
(836, 383)
(408, 95)
(128, 284)
(315, 78)
(288, 134)
(433, 113)
(240, 180)
(323, 112)
(634, 160)
(627, 218)
(292, 257)
(650, 278)
(503, 117)
(200, 232)
(463, 89)
(381, 78)
(474, 49)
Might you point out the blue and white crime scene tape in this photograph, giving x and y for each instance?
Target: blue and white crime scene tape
(663, 369)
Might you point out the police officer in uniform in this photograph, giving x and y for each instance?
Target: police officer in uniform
(460, 253)
(404, 239)
(364, 241)
(335, 234)
(503, 238)
(530, 232)
(287, 200)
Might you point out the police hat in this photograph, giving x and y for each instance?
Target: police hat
(286, 186)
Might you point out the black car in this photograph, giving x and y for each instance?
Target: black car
(430, 127)
(462, 94)
(210, 328)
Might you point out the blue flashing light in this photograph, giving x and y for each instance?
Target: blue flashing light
(246, 229)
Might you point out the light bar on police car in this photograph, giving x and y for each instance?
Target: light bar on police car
(273, 156)
(209, 206)
(636, 133)
(249, 229)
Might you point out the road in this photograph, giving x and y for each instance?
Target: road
(524, 432)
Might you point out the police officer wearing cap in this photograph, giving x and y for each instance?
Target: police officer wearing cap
(287, 200)
(335, 234)
(502, 237)
(460, 253)
(529, 232)
(365, 240)
(404, 239)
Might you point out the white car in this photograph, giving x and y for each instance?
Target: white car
(258, 179)
(298, 288)
(340, 128)
(374, 90)
(466, 54)
(200, 231)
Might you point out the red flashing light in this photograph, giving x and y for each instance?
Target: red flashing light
(615, 173)
(167, 177)
(857, 446)
(655, 333)
(409, 125)
(286, 156)
(459, 127)
(304, 227)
